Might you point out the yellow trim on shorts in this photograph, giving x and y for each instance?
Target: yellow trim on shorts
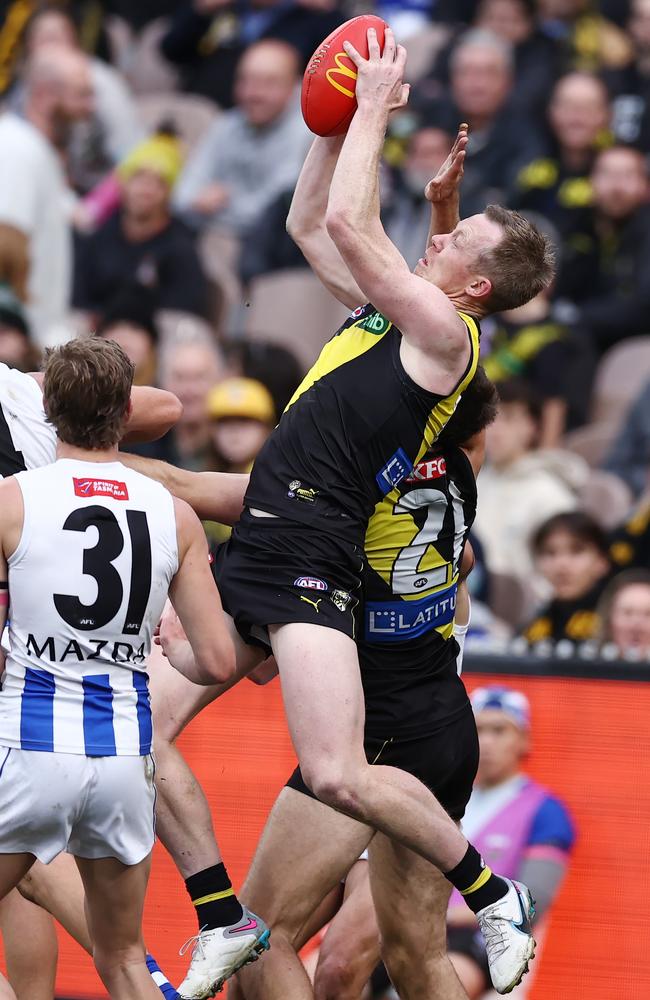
(213, 897)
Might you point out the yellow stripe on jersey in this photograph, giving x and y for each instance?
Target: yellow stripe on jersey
(390, 532)
(347, 345)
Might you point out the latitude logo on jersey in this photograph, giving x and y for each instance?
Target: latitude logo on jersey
(100, 488)
(396, 469)
(311, 583)
(434, 468)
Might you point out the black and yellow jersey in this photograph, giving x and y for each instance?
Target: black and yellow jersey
(353, 431)
(414, 545)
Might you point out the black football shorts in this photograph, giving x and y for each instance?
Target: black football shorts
(272, 571)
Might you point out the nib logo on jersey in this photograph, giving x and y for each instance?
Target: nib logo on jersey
(100, 488)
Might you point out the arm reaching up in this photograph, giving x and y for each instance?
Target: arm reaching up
(443, 190)
(306, 222)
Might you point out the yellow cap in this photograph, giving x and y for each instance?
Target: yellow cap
(160, 154)
(241, 397)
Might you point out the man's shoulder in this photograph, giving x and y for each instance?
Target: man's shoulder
(19, 134)
(552, 824)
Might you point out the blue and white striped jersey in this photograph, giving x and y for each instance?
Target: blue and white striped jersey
(87, 585)
(27, 441)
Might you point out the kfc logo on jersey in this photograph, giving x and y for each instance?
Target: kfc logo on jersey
(424, 472)
(100, 488)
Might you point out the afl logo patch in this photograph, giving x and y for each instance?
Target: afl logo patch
(310, 582)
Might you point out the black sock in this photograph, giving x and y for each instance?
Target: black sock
(213, 896)
(476, 882)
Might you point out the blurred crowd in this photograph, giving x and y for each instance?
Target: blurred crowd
(149, 155)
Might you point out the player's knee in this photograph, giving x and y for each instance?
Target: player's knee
(404, 961)
(114, 965)
(338, 978)
(333, 785)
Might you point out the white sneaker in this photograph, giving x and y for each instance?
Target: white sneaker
(509, 942)
(219, 953)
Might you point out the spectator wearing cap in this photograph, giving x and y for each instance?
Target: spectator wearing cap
(252, 153)
(556, 184)
(520, 828)
(143, 241)
(129, 320)
(521, 484)
(500, 140)
(604, 277)
(571, 554)
(242, 415)
(16, 348)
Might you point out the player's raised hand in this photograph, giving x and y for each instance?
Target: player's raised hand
(447, 181)
(380, 77)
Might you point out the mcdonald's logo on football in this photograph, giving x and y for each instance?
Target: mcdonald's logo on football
(343, 71)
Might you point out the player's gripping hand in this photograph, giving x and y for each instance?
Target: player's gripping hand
(170, 633)
(380, 77)
(447, 181)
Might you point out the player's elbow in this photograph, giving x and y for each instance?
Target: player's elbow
(338, 225)
(170, 410)
(216, 662)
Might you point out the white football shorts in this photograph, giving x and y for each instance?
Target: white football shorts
(92, 807)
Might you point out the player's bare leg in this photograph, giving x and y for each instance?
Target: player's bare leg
(58, 889)
(6, 992)
(414, 950)
(114, 905)
(27, 932)
(350, 950)
(323, 698)
(304, 852)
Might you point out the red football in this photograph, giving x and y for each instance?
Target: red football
(328, 101)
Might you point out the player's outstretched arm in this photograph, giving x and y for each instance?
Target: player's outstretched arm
(416, 306)
(207, 655)
(214, 496)
(306, 222)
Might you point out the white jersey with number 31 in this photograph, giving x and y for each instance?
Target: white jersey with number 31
(87, 586)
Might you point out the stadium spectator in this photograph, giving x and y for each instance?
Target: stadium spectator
(143, 241)
(276, 367)
(629, 544)
(242, 415)
(624, 613)
(536, 59)
(629, 456)
(589, 40)
(556, 360)
(207, 37)
(98, 143)
(605, 272)
(16, 348)
(556, 184)
(129, 320)
(500, 141)
(519, 826)
(190, 369)
(571, 553)
(252, 153)
(35, 238)
(521, 485)
(630, 86)
(407, 214)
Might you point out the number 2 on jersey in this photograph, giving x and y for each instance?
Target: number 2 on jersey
(411, 576)
(98, 562)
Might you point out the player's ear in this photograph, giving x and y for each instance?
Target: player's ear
(480, 288)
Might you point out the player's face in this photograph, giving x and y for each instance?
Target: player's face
(571, 565)
(450, 261)
(630, 619)
(502, 745)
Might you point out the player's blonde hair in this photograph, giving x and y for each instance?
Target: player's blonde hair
(87, 391)
(520, 265)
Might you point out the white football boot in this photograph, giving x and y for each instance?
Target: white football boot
(509, 942)
(218, 954)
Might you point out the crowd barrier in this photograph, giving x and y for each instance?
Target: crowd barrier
(591, 746)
